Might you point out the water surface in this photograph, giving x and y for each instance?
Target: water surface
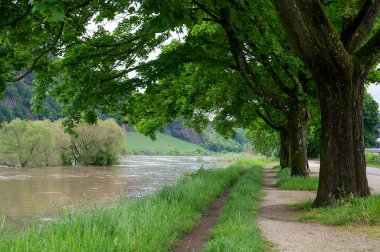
(41, 192)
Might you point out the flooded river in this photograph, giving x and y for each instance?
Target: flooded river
(40, 192)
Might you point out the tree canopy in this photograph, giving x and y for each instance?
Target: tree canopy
(257, 69)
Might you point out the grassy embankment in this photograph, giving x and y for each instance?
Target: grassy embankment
(348, 211)
(287, 182)
(152, 223)
(136, 143)
(235, 230)
(372, 159)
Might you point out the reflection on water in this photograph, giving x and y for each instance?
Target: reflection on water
(39, 191)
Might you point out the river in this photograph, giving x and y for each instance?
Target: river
(41, 192)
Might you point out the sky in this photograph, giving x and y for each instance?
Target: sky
(374, 90)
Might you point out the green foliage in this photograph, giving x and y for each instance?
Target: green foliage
(264, 139)
(66, 158)
(347, 211)
(288, 182)
(372, 159)
(209, 138)
(151, 223)
(236, 229)
(371, 120)
(212, 141)
(26, 140)
(97, 144)
(17, 103)
(44, 143)
(137, 143)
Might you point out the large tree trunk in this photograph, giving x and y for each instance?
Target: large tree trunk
(343, 168)
(297, 121)
(339, 64)
(284, 149)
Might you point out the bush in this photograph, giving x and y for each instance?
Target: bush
(66, 159)
(44, 143)
(97, 144)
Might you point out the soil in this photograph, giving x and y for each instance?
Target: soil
(198, 236)
(285, 233)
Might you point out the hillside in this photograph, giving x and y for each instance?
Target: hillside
(140, 144)
(16, 103)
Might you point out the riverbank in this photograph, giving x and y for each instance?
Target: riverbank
(152, 223)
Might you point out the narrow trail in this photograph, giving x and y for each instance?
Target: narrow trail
(198, 236)
(280, 227)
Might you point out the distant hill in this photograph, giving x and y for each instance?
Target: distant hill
(209, 138)
(16, 103)
(136, 143)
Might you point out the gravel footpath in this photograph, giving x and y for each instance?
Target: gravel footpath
(279, 226)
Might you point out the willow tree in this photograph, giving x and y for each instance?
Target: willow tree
(339, 54)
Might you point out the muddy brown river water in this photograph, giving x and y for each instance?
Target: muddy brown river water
(41, 192)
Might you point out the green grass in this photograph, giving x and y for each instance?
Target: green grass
(349, 211)
(136, 143)
(236, 229)
(372, 159)
(287, 182)
(152, 223)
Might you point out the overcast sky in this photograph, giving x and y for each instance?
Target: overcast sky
(374, 90)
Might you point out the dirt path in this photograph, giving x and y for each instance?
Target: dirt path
(279, 226)
(199, 235)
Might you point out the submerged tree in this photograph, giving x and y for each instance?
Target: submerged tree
(26, 140)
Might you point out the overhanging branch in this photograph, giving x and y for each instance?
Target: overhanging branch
(44, 52)
(268, 121)
(237, 51)
(357, 30)
(369, 54)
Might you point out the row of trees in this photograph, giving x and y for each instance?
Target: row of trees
(281, 61)
(208, 138)
(44, 143)
(266, 141)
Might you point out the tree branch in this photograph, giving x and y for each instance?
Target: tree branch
(313, 36)
(369, 54)
(237, 51)
(267, 121)
(205, 10)
(357, 31)
(47, 50)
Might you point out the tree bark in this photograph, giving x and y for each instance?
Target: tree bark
(284, 149)
(339, 65)
(297, 120)
(342, 168)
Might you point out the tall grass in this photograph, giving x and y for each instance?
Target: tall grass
(152, 223)
(287, 182)
(372, 159)
(236, 229)
(351, 210)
